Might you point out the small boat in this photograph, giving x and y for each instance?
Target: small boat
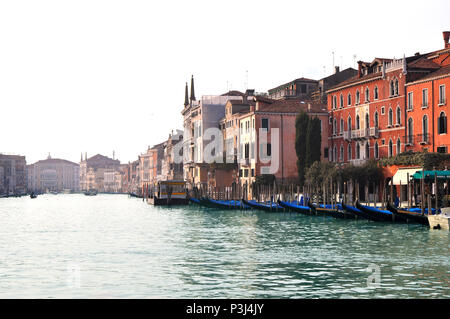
(134, 195)
(379, 215)
(91, 192)
(334, 211)
(440, 221)
(225, 204)
(296, 208)
(355, 211)
(268, 207)
(169, 192)
(33, 195)
(194, 200)
(410, 216)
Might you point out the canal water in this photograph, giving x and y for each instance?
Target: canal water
(113, 246)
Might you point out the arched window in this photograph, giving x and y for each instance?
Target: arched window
(391, 88)
(399, 115)
(410, 131)
(357, 150)
(442, 123)
(349, 99)
(396, 87)
(375, 93)
(367, 151)
(334, 101)
(357, 97)
(341, 154)
(334, 153)
(334, 126)
(341, 101)
(349, 123)
(357, 122)
(376, 150)
(425, 129)
(349, 152)
(376, 119)
(367, 94)
(367, 121)
(391, 115)
(342, 125)
(398, 146)
(390, 148)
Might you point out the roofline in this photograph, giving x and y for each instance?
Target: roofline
(429, 79)
(354, 83)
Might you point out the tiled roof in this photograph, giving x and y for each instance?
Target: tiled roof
(233, 93)
(442, 72)
(423, 64)
(356, 79)
(290, 106)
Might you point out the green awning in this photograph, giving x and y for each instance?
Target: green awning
(430, 175)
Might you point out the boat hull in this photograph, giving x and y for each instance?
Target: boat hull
(408, 215)
(296, 208)
(265, 207)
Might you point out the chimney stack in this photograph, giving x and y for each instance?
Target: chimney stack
(446, 35)
(359, 69)
(336, 69)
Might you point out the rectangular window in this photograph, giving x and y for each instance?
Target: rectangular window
(382, 110)
(410, 100)
(442, 94)
(442, 149)
(245, 172)
(425, 98)
(325, 152)
(303, 88)
(265, 124)
(269, 149)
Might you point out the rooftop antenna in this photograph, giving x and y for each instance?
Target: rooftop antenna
(324, 72)
(333, 59)
(246, 80)
(114, 154)
(354, 60)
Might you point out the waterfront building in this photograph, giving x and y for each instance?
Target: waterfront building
(327, 82)
(92, 171)
(172, 164)
(199, 116)
(369, 112)
(266, 115)
(298, 88)
(53, 174)
(13, 174)
(150, 164)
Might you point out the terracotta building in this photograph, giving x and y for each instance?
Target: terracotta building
(13, 174)
(369, 113)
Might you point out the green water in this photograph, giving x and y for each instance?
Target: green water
(76, 246)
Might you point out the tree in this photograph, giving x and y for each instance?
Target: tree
(313, 141)
(301, 125)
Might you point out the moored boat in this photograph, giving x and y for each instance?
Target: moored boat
(91, 192)
(169, 192)
(410, 216)
(296, 208)
(355, 211)
(440, 221)
(329, 210)
(268, 207)
(379, 215)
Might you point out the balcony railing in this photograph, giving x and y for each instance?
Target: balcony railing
(347, 135)
(362, 133)
(358, 162)
(424, 139)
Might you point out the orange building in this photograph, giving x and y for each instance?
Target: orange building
(371, 113)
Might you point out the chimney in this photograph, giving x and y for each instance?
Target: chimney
(446, 35)
(359, 69)
(336, 69)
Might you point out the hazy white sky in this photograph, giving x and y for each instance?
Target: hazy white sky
(97, 76)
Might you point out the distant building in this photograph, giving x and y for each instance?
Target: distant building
(150, 166)
(13, 174)
(53, 174)
(327, 82)
(172, 167)
(298, 88)
(93, 169)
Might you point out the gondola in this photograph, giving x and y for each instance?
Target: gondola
(33, 195)
(221, 204)
(330, 211)
(296, 208)
(271, 208)
(355, 211)
(194, 200)
(409, 215)
(379, 215)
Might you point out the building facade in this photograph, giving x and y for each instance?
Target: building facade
(53, 174)
(13, 174)
(93, 169)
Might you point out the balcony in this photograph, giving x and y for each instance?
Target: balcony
(347, 135)
(424, 139)
(358, 162)
(409, 140)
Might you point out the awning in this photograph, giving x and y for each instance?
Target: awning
(429, 175)
(402, 175)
